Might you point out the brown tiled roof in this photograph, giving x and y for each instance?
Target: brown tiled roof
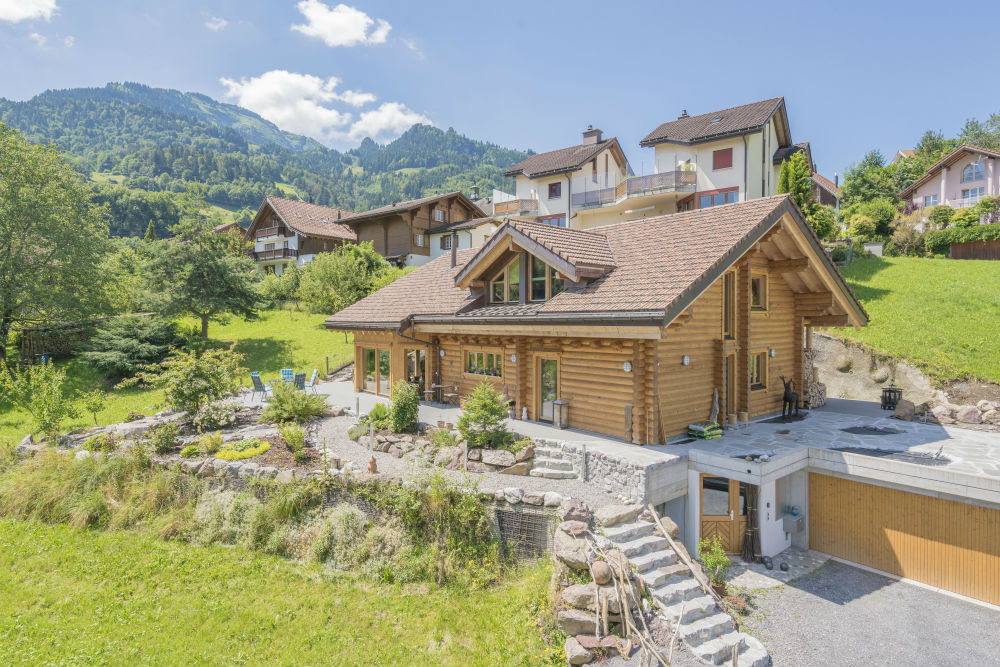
(826, 183)
(564, 159)
(578, 247)
(946, 160)
(430, 290)
(661, 265)
(313, 219)
(412, 204)
(785, 152)
(736, 120)
(462, 224)
(226, 226)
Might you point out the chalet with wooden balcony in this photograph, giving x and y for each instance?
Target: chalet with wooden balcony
(632, 326)
(287, 232)
(402, 232)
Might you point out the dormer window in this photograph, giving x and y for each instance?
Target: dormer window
(438, 215)
(506, 286)
(545, 282)
(974, 172)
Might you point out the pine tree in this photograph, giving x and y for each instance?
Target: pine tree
(796, 178)
(150, 233)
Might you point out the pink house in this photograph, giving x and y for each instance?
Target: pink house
(959, 179)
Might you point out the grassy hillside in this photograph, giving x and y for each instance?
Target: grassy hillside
(941, 315)
(279, 339)
(75, 597)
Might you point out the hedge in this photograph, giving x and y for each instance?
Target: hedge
(939, 241)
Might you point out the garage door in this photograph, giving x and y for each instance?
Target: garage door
(947, 544)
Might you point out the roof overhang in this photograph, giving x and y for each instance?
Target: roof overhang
(612, 144)
(783, 131)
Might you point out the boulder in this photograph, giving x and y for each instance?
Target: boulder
(843, 363)
(944, 413)
(513, 494)
(574, 509)
(615, 514)
(476, 466)
(552, 499)
(27, 447)
(580, 596)
(249, 470)
(881, 374)
(905, 410)
(670, 526)
(531, 498)
(570, 550)
(600, 571)
(233, 468)
(969, 414)
(522, 468)
(525, 454)
(395, 451)
(285, 476)
(608, 642)
(574, 527)
(576, 622)
(382, 446)
(575, 653)
(206, 469)
(985, 406)
(617, 561)
(991, 417)
(219, 466)
(81, 454)
(445, 455)
(498, 457)
(267, 472)
(498, 495)
(191, 465)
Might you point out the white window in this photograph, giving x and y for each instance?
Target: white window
(930, 200)
(972, 195)
(446, 242)
(974, 172)
(420, 240)
(438, 215)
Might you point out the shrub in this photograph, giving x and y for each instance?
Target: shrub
(443, 438)
(275, 289)
(293, 435)
(124, 346)
(862, 227)
(216, 415)
(518, 445)
(38, 390)
(190, 451)
(93, 402)
(189, 379)
(242, 449)
(134, 415)
(162, 437)
(838, 253)
(211, 442)
(405, 407)
(939, 241)
(941, 216)
(340, 538)
(715, 560)
(288, 404)
(378, 415)
(102, 442)
(357, 431)
(483, 423)
(300, 455)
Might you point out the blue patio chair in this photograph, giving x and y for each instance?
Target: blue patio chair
(311, 382)
(287, 375)
(258, 386)
(300, 381)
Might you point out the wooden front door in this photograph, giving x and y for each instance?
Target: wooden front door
(548, 387)
(723, 511)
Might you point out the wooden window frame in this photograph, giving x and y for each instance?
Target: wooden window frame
(548, 220)
(729, 305)
(504, 274)
(406, 362)
(762, 354)
(555, 188)
(762, 291)
(720, 191)
(720, 157)
(550, 276)
(446, 242)
(419, 240)
(438, 215)
(593, 171)
(485, 353)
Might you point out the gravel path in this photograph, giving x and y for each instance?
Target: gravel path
(334, 431)
(844, 616)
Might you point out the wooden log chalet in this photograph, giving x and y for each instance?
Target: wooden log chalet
(632, 325)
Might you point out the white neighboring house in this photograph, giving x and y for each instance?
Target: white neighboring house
(288, 232)
(465, 234)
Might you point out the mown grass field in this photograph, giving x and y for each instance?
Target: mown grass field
(78, 597)
(278, 339)
(941, 315)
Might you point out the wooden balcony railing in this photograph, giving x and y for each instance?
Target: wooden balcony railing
(271, 231)
(515, 206)
(277, 253)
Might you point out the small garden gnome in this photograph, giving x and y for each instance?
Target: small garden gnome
(373, 466)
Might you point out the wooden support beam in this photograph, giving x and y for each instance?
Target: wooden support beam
(829, 321)
(789, 265)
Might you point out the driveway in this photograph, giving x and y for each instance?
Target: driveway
(841, 615)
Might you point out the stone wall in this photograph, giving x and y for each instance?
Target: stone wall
(814, 391)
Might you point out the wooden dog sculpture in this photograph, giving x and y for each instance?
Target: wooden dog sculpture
(790, 399)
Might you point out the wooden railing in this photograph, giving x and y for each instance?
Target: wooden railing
(270, 231)
(515, 206)
(277, 253)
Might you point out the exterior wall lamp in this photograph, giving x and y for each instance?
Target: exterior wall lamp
(627, 366)
(773, 352)
(685, 360)
(441, 352)
(513, 358)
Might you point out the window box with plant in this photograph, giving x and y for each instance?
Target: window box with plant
(480, 362)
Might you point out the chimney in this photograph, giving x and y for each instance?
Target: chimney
(684, 114)
(591, 136)
(339, 214)
(454, 249)
(836, 180)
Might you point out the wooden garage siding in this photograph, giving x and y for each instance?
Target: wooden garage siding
(943, 543)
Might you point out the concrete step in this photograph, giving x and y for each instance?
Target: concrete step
(719, 650)
(753, 653)
(548, 473)
(653, 560)
(624, 532)
(695, 608)
(665, 575)
(548, 452)
(642, 545)
(552, 464)
(706, 629)
(676, 590)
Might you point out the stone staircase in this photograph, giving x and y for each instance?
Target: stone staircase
(706, 629)
(550, 464)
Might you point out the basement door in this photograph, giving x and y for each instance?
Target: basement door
(943, 543)
(723, 511)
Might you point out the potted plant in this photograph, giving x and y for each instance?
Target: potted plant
(715, 562)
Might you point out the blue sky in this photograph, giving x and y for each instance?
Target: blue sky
(527, 74)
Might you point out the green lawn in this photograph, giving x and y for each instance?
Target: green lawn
(278, 339)
(941, 315)
(76, 597)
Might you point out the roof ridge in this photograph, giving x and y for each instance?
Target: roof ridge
(733, 108)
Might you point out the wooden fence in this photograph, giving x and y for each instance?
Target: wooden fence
(976, 250)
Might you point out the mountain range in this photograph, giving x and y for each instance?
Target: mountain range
(141, 146)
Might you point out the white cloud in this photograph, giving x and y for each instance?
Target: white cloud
(412, 46)
(307, 104)
(19, 10)
(340, 26)
(39, 39)
(215, 24)
(68, 41)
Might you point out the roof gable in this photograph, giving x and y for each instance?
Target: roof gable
(306, 218)
(708, 126)
(400, 207)
(945, 161)
(565, 159)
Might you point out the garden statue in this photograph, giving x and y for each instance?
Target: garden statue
(790, 399)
